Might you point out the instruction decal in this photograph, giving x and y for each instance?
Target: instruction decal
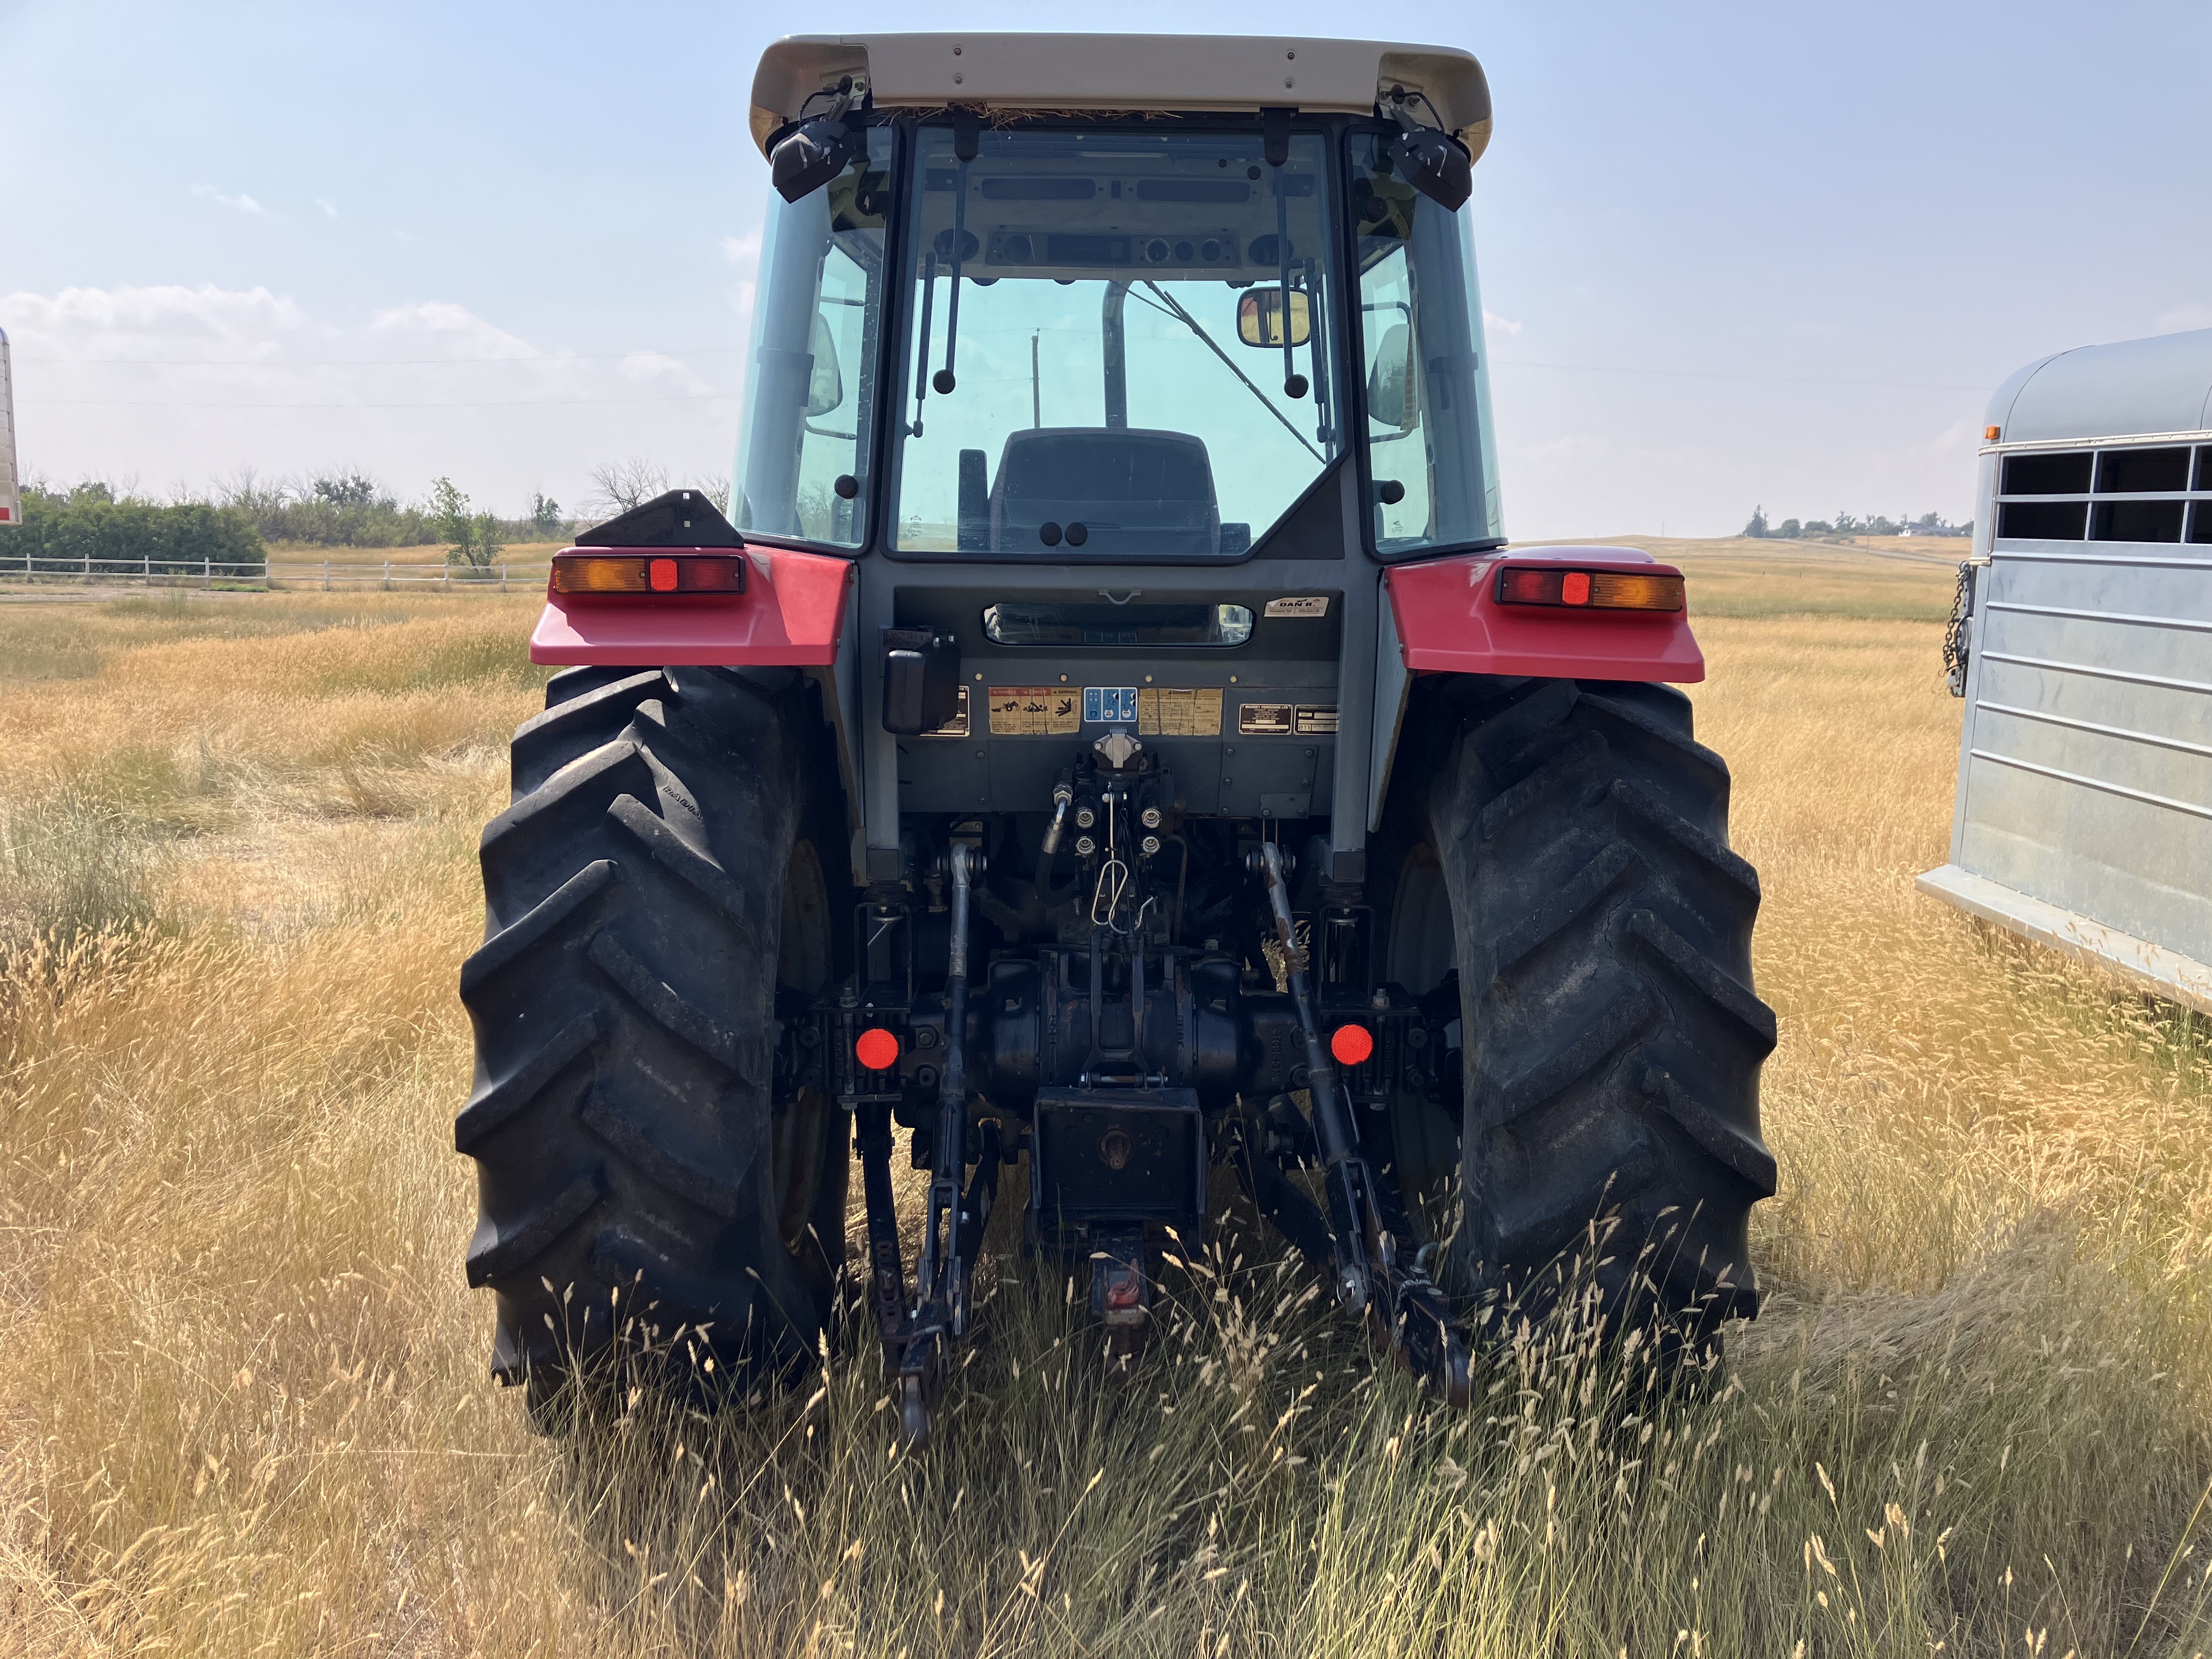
(1109, 705)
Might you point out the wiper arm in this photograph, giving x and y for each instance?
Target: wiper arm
(1191, 323)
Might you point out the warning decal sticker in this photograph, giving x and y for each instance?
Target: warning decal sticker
(1035, 711)
(1178, 711)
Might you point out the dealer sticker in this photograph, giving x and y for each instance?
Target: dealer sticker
(1309, 605)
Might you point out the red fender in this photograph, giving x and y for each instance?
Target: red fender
(1450, 622)
(791, 613)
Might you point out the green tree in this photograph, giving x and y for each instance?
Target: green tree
(545, 514)
(471, 539)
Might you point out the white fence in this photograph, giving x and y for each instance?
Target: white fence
(329, 575)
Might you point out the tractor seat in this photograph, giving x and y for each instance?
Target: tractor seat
(1133, 491)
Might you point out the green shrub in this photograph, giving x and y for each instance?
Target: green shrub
(59, 533)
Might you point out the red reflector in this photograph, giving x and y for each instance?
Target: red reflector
(876, 1049)
(1352, 1044)
(661, 573)
(1574, 587)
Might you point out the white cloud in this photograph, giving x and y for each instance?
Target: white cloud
(742, 250)
(241, 203)
(647, 368)
(2184, 317)
(1494, 324)
(441, 323)
(154, 323)
(328, 209)
(192, 383)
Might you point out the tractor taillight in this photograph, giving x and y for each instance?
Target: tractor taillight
(877, 1048)
(1588, 590)
(1352, 1044)
(648, 573)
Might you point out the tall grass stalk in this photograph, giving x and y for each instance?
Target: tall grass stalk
(242, 1387)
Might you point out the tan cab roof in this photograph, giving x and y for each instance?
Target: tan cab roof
(1011, 73)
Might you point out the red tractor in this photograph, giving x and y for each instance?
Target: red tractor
(1110, 736)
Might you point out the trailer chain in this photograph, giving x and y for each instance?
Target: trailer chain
(1958, 635)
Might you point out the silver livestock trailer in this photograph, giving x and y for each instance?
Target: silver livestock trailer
(2084, 811)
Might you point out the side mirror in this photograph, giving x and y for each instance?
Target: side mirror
(1259, 317)
(826, 388)
(1390, 399)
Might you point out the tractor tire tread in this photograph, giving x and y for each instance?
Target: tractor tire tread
(502, 1253)
(623, 1120)
(577, 725)
(1613, 1039)
(491, 1108)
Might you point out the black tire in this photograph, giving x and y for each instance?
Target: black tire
(1563, 847)
(667, 875)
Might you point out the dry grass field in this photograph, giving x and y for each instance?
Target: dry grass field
(243, 1402)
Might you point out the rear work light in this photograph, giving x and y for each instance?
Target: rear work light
(1588, 590)
(648, 573)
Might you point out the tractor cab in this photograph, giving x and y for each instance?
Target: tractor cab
(1091, 322)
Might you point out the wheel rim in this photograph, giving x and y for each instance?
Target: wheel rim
(1423, 944)
(1421, 949)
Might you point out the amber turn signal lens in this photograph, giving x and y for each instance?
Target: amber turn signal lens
(1588, 590)
(877, 1048)
(1352, 1044)
(648, 573)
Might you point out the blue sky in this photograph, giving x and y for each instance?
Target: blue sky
(1733, 253)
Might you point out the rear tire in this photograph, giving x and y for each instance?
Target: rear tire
(666, 876)
(1575, 835)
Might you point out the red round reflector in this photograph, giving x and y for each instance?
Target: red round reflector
(876, 1049)
(661, 573)
(1575, 590)
(1352, 1044)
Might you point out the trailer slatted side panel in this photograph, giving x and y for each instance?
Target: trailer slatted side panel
(2087, 775)
(2084, 811)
